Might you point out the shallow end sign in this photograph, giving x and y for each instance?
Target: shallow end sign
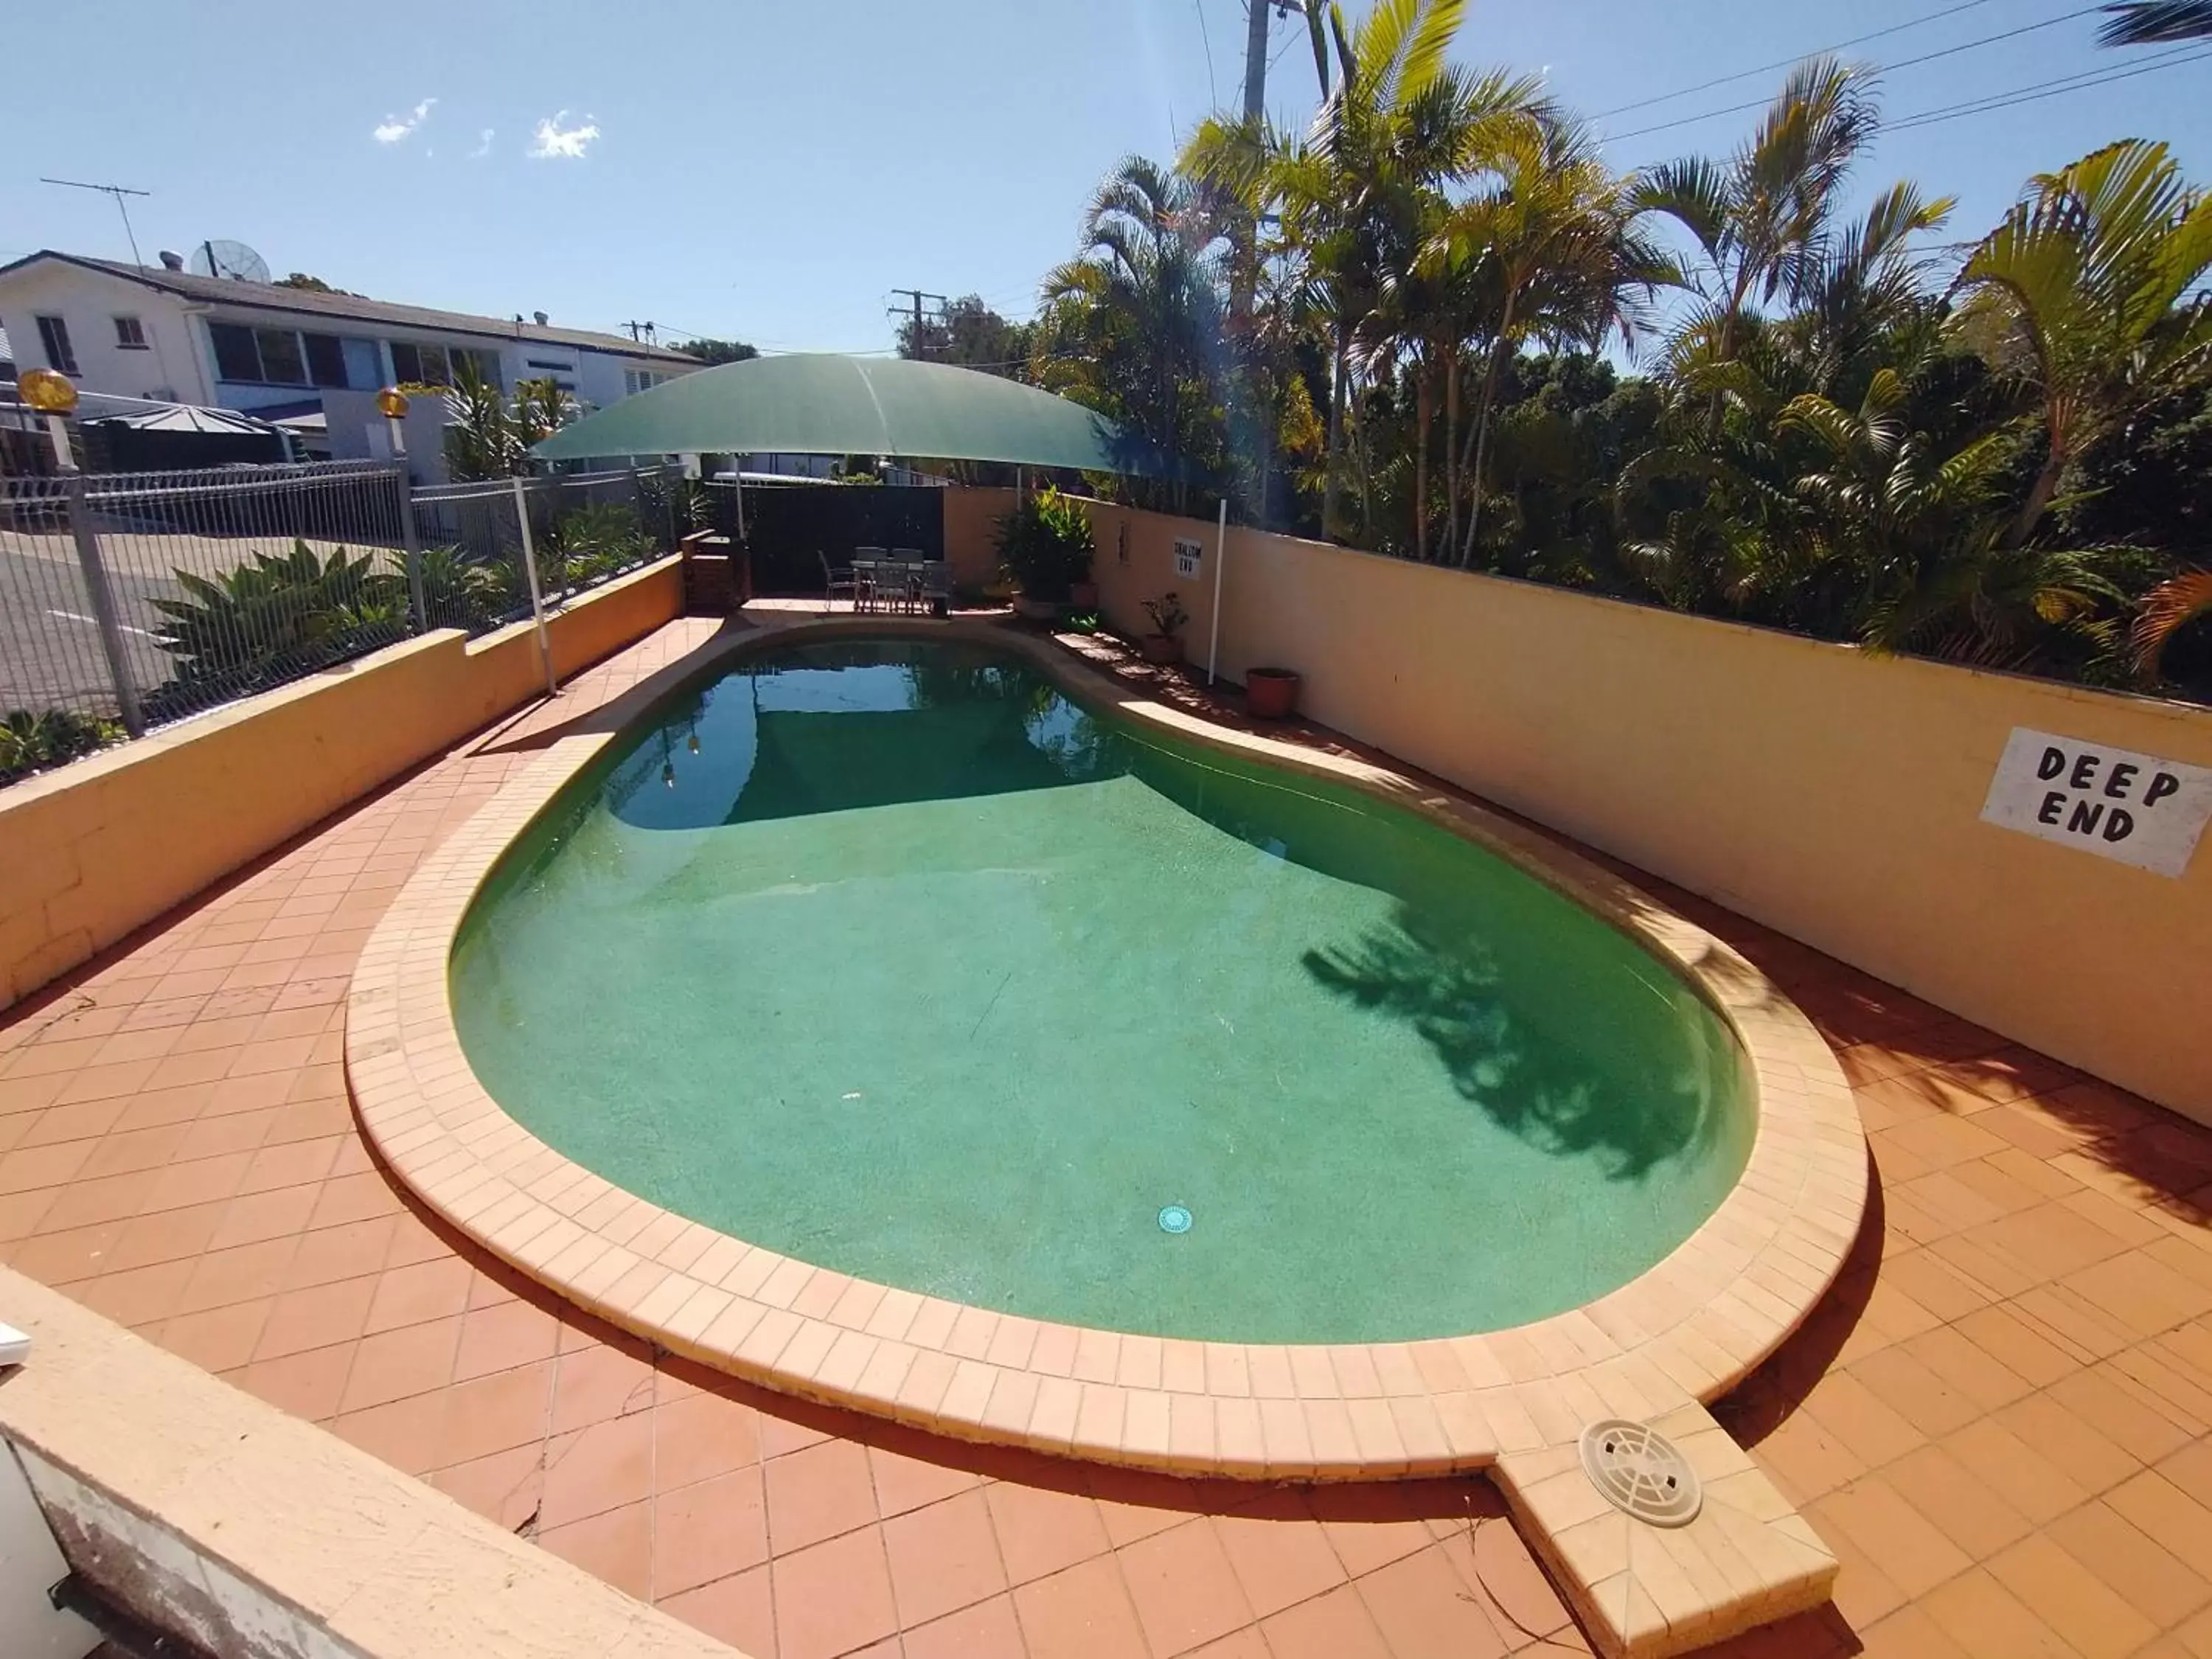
(2133, 808)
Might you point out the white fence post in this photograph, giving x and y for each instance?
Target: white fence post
(537, 599)
(102, 596)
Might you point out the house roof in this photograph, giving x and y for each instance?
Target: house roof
(229, 290)
(816, 403)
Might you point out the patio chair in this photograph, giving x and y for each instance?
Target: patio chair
(937, 587)
(867, 571)
(835, 582)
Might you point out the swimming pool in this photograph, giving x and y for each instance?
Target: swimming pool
(887, 955)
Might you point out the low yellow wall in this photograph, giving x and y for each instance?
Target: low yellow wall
(91, 852)
(1830, 794)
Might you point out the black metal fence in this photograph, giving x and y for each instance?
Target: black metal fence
(142, 597)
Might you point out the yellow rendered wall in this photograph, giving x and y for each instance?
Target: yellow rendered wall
(95, 850)
(971, 528)
(1828, 793)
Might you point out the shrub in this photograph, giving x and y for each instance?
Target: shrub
(1167, 614)
(31, 742)
(1045, 546)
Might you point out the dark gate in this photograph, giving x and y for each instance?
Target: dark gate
(792, 528)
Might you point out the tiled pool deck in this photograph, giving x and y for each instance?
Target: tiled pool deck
(2000, 1419)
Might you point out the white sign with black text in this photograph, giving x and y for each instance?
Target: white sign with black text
(1187, 557)
(2137, 809)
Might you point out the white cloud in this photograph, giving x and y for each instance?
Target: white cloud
(483, 146)
(396, 127)
(555, 141)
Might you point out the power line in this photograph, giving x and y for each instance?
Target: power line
(2040, 90)
(1906, 63)
(1205, 35)
(1766, 68)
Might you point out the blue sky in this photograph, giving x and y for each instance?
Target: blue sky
(774, 171)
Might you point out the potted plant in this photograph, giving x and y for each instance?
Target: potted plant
(1271, 694)
(1044, 548)
(1164, 644)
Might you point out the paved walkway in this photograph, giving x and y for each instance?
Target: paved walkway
(2001, 1420)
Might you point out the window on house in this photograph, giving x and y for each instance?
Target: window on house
(53, 335)
(419, 365)
(257, 356)
(636, 381)
(130, 334)
(327, 359)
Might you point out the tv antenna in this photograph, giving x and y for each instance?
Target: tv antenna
(117, 191)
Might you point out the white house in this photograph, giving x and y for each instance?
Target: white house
(161, 333)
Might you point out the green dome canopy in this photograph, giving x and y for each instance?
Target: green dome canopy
(818, 404)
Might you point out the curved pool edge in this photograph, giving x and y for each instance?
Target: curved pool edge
(1690, 1327)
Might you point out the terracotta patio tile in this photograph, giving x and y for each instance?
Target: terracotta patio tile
(308, 1385)
(833, 1597)
(2007, 1338)
(316, 1317)
(904, 1483)
(505, 1488)
(1984, 1618)
(987, 1630)
(497, 1412)
(59, 1257)
(1184, 1589)
(499, 1337)
(2100, 1401)
(597, 1469)
(2162, 1510)
(328, 1254)
(616, 1546)
(353, 1198)
(1336, 1625)
(738, 1610)
(1861, 1420)
(259, 1216)
(1279, 1562)
(598, 1382)
(393, 1364)
(1082, 1612)
(2135, 1566)
(1369, 1527)
(1956, 1503)
(422, 1291)
(409, 1434)
(708, 1530)
(1423, 1609)
(140, 1297)
(819, 1493)
(943, 1558)
(1043, 1531)
(2070, 1598)
(218, 1339)
(702, 1437)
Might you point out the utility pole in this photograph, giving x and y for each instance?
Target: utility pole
(1255, 58)
(117, 192)
(1245, 278)
(913, 314)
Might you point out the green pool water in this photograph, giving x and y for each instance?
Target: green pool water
(886, 955)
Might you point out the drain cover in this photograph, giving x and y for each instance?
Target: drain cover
(1174, 1219)
(1640, 1470)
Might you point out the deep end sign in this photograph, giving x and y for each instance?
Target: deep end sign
(2137, 809)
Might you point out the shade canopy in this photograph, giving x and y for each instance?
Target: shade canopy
(190, 417)
(818, 404)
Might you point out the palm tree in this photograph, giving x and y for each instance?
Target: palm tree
(2165, 610)
(1763, 220)
(1140, 306)
(2146, 22)
(1358, 191)
(1548, 249)
(2087, 294)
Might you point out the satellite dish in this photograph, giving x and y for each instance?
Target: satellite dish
(221, 257)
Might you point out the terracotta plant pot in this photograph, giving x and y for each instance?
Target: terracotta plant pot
(1270, 694)
(1083, 596)
(1166, 649)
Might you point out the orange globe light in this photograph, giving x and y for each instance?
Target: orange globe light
(392, 403)
(47, 391)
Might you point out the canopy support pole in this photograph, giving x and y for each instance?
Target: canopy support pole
(537, 598)
(1220, 559)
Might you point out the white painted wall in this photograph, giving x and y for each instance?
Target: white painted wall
(89, 302)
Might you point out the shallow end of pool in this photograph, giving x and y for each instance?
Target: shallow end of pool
(1690, 1327)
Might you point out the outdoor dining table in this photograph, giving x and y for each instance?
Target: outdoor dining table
(901, 587)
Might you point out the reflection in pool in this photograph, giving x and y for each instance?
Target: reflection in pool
(886, 955)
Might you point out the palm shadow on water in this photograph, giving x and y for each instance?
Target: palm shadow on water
(1445, 982)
